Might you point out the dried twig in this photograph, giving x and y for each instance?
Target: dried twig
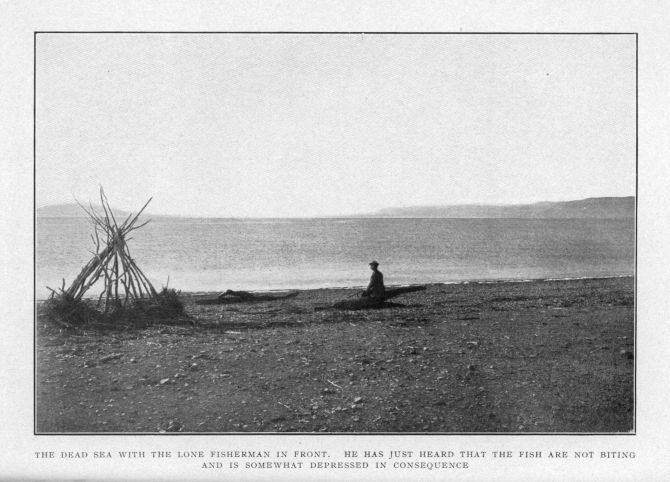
(123, 279)
(334, 384)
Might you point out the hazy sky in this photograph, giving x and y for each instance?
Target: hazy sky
(307, 125)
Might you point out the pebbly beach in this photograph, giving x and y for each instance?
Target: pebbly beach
(542, 356)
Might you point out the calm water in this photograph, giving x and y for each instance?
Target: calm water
(213, 255)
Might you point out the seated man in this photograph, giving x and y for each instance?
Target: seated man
(375, 290)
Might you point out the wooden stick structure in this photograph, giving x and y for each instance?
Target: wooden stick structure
(123, 280)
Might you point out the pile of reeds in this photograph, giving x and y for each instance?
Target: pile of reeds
(126, 291)
(63, 310)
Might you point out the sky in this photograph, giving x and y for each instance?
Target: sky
(303, 125)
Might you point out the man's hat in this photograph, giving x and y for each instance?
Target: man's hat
(374, 263)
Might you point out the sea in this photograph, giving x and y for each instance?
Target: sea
(210, 255)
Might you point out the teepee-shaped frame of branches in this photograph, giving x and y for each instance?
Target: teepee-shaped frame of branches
(123, 281)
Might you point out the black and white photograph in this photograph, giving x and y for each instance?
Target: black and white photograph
(371, 240)
(335, 232)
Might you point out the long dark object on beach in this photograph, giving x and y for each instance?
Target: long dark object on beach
(230, 297)
(393, 292)
(366, 304)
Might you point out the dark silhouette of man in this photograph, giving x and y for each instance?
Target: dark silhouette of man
(375, 290)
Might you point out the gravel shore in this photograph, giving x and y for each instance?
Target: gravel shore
(540, 356)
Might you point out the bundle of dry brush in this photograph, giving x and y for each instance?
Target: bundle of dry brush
(127, 294)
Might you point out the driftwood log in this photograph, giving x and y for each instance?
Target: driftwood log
(231, 296)
(393, 292)
(366, 304)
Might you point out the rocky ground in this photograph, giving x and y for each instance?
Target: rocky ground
(553, 356)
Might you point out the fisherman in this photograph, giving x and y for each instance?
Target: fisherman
(375, 290)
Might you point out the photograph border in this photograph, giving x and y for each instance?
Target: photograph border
(36, 33)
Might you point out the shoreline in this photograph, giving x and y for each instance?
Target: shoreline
(401, 285)
(186, 292)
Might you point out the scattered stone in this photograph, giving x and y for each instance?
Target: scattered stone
(113, 356)
(627, 354)
(358, 400)
(174, 426)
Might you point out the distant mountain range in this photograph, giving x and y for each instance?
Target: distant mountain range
(599, 207)
(73, 210)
